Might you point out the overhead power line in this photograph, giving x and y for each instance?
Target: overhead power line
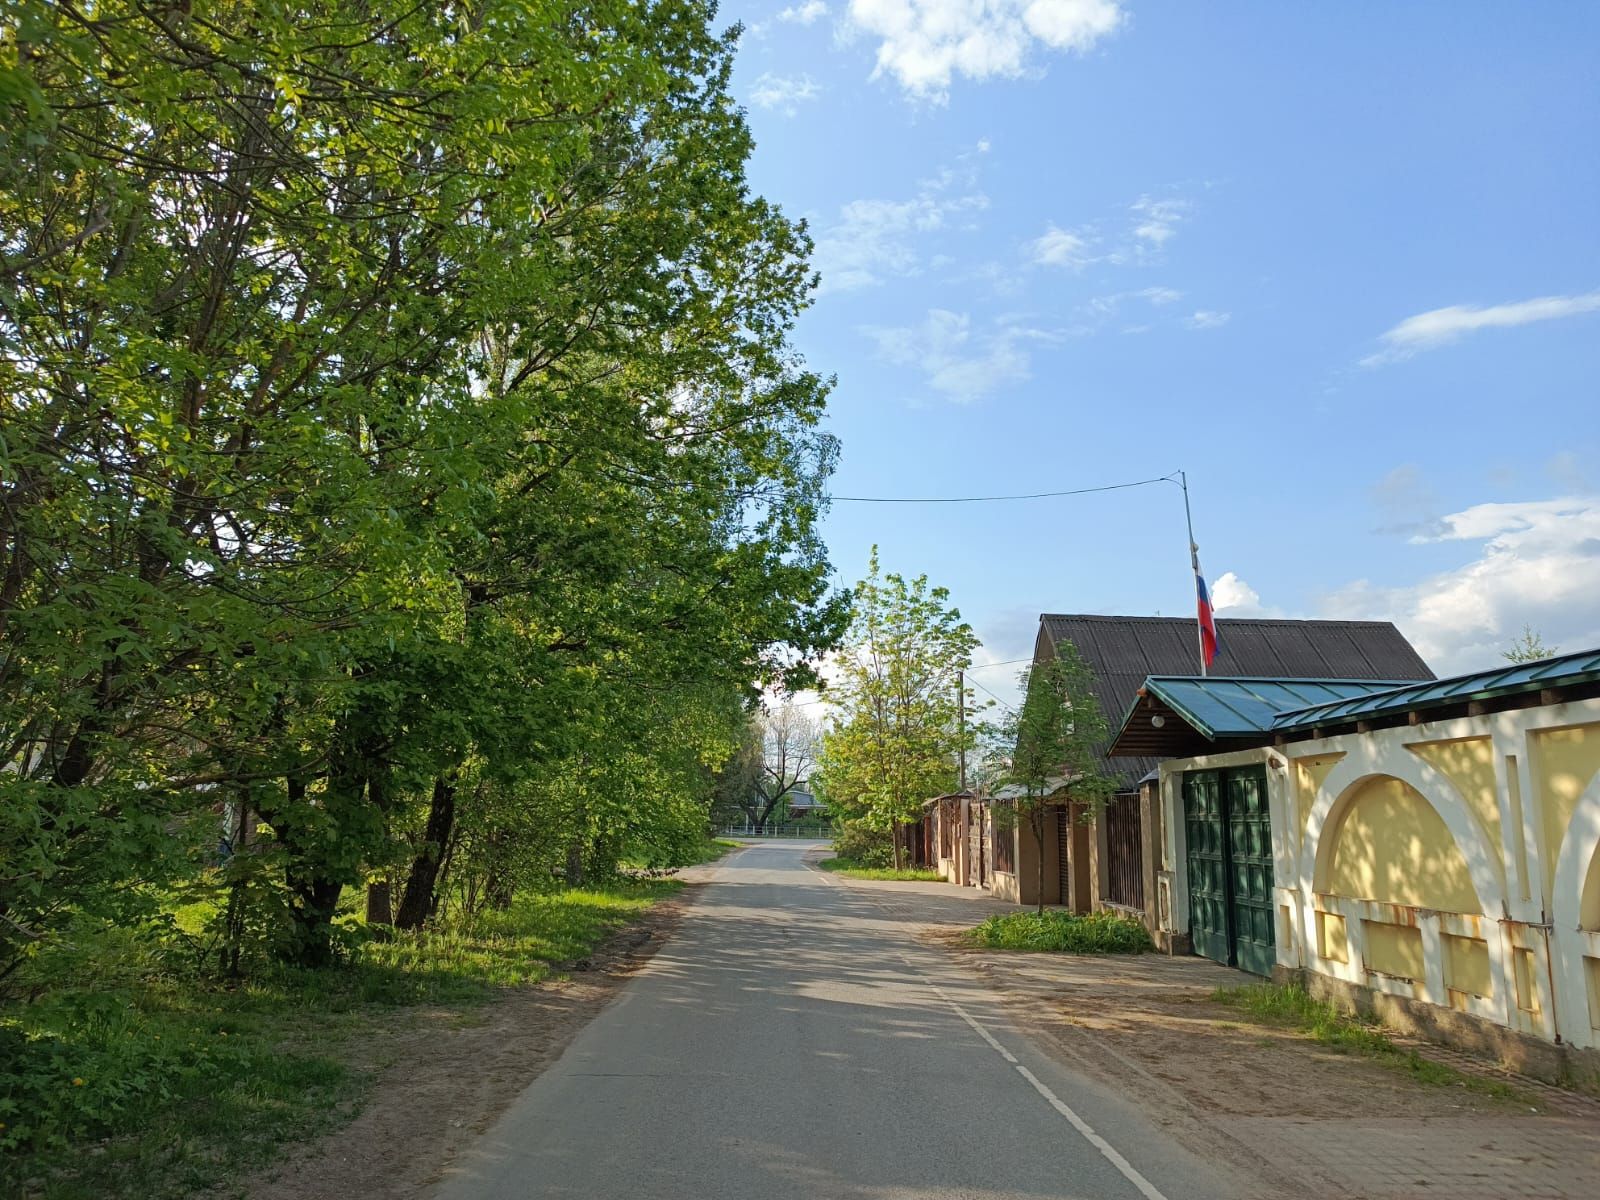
(1107, 487)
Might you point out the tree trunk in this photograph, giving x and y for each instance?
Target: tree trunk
(418, 901)
(315, 897)
(380, 909)
(1036, 820)
(316, 900)
(894, 836)
(575, 865)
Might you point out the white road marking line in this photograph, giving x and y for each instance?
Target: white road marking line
(1107, 1150)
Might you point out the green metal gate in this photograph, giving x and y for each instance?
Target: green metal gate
(1208, 865)
(1229, 833)
(1250, 868)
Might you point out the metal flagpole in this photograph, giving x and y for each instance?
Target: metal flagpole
(1194, 561)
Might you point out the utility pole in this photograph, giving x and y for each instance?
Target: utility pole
(1194, 561)
(961, 702)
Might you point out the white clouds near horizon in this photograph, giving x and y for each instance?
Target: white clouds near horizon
(924, 44)
(1539, 565)
(1441, 326)
(1231, 596)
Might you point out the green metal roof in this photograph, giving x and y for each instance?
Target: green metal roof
(1562, 671)
(1238, 707)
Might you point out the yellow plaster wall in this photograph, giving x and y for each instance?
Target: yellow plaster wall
(1309, 774)
(1589, 900)
(1564, 763)
(1394, 950)
(1469, 764)
(1525, 969)
(1466, 965)
(1591, 970)
(1392, 846)
(1332, 941)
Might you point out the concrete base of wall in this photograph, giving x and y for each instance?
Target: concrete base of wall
(1520, 1052)
(1172, 943)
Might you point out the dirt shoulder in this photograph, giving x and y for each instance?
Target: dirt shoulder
(440, 1078)
(1285, 1114)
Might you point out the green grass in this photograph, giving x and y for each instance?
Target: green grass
(1291, 1007)
(708, 850)
(715, 848)
(125, 1076)
(1064, 932)
(851, 869)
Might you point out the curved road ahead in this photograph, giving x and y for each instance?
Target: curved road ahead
(792, 1039)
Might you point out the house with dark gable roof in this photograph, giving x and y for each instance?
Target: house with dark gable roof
(1109, 858)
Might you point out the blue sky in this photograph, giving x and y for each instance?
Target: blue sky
(1339, 263)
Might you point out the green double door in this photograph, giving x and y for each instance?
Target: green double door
(1228, 829)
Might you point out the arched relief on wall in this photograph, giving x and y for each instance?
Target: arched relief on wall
(1575, 900)
(1366, 763)
(1468, 763)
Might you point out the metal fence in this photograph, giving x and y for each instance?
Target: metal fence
(809, 829)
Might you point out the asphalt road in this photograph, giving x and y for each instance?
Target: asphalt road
(791, 1040)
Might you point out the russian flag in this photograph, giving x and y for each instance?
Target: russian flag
(1208, 624)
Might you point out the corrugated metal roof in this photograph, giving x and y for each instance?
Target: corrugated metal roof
(1239, 707)
(1561, 671)
(1122, 652)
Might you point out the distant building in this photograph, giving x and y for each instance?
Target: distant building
(1108, 859)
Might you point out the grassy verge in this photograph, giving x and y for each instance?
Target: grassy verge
(1344, 1033)
(715, 848)
(125, 1076)
(1064, 932)
(851, 869)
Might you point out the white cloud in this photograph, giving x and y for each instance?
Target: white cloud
(1441, 326)
(1229, 592)
(955, 362)
(924, 44)
(804, 14)
(1206, 319)
(1134, 238)
(1061, 248)
(1538, 563)
(784, 92)
(875, 239)
(1156, 220)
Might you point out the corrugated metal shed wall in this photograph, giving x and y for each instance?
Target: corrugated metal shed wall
(1123, 651)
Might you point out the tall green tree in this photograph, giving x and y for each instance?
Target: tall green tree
(385, 388)
(898, 727)
(1050, 747)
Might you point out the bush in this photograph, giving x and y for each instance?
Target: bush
(1070, 933)
(864, 847)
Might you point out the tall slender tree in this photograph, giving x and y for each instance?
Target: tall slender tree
(1050, 746)
(898, 730)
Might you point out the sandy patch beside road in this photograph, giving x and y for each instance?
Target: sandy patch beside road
(443, 1077)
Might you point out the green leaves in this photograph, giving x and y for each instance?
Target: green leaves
(900, 728)
(1053, 742)
(389, 391)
